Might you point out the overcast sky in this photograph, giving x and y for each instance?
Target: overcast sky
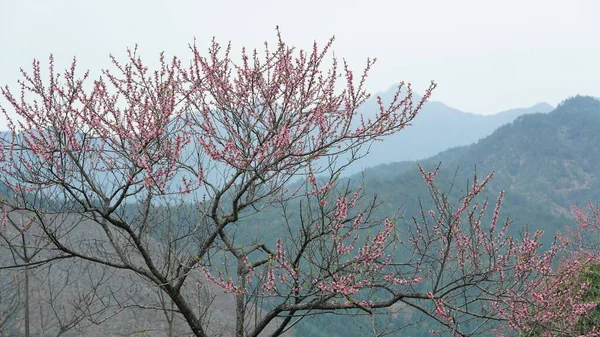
(487, 56)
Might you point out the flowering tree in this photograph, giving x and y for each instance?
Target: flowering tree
(572, 307)
(162, 171)
(561, 304)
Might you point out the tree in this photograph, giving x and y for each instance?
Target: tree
(55, 298)
(565, 302)
(165, 171)
(562, 304)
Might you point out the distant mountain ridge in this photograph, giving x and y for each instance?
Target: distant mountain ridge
(437, 127)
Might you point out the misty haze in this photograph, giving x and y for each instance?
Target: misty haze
(317, 168)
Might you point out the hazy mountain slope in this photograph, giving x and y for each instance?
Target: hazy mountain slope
(437, 127)
(553, 158)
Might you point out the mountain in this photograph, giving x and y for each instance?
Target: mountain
(437, 127)
(545, 162)
(553, 158)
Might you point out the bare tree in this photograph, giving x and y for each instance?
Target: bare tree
(53, 298)
(10, 301)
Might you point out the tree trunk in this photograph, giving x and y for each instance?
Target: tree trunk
(26, 300)
(240, 301)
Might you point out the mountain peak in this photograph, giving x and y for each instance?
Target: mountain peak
(543, 107)
(579, 103)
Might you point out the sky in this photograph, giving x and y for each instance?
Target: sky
(486, 56)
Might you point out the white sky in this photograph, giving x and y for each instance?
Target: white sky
(487, 56)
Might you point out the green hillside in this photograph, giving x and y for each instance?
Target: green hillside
(544, 161)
